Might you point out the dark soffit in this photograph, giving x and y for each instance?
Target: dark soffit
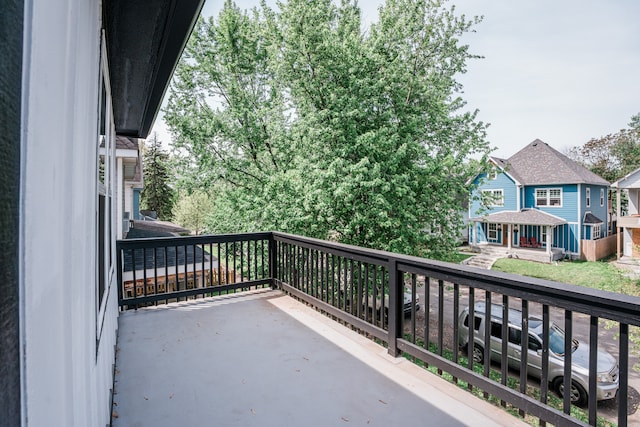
(145, 40)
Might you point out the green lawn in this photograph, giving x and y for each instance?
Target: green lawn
(597, 275)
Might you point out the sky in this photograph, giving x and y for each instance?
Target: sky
(563, 71)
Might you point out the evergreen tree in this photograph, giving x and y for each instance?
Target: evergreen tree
(157, 194)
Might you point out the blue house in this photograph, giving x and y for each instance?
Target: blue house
(538, 198)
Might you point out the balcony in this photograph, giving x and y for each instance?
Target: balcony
(631, 221)
(275, 329)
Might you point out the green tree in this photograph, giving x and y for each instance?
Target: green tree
(157, 194)
(311, 126)
(614, 155)
(191, 210)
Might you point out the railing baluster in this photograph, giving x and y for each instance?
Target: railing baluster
(487, 337)
(472, 329)
(504, 340)
(427, 312)
(456, 328)
(568, 330)
(593, 367)
(623, 390)
(524, 349)
(440, 319)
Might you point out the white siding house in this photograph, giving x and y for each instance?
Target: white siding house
(75, 73)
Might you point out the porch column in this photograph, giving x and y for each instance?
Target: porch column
(510, 235)
(474, 233)
(549, 241)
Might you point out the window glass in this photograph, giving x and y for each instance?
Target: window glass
(555, 197)
(496, 330)
(588, 197)
(515, 336)
(534, 343)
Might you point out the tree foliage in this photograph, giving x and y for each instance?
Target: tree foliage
(157, 194)
(614, 155)
(191, 210)
(307, 124)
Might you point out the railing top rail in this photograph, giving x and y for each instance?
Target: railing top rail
(155, 242)
(595, 302)
(357, 252)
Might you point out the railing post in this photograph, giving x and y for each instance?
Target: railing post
(396, 293)
(272, 260)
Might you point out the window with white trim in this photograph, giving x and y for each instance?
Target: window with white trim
(602, 197)
(588, 197)
(492, 174)
(596, 232)
(105, 186)
(493, 198)
(493, 231)
(546, 197)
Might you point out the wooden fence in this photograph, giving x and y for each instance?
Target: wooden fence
(593, 250)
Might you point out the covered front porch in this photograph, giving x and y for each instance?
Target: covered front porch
(528, 234)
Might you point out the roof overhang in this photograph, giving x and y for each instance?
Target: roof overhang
(144, 43)
(524, 216)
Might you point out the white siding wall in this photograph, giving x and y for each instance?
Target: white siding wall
(67, 380)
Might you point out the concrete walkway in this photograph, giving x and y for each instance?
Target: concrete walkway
(264, 359)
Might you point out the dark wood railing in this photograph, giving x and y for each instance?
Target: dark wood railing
(411, 305)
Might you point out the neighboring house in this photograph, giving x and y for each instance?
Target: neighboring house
(538, 198)
(75, 75)
(176, 268)
(628, 242)
(129, 166)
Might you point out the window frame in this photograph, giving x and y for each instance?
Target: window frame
(492, 196)
(588, 197)
(105, 162)
(596, 231)
(547, 197)
(601, 197)
(489, 231)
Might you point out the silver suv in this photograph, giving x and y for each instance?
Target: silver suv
(607, 375)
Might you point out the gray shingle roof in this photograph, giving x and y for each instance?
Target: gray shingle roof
(540, 164)
(590, 218)
(524, 216)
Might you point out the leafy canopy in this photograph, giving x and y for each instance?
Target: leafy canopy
(302, 122)
(614, 155)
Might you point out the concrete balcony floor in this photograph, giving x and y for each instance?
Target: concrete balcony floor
(263, 359)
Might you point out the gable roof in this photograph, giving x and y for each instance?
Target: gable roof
(630, 180)
(540, 164)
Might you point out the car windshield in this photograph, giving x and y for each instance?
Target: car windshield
(556, 340)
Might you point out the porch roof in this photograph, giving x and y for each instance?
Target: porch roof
(523, 216)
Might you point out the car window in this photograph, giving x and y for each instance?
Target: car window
(496, 330)
(534, 344)
(477, 322)
(556, 340)
(515, 336)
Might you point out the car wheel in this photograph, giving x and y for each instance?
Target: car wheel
(578, 393)
(478, 353)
